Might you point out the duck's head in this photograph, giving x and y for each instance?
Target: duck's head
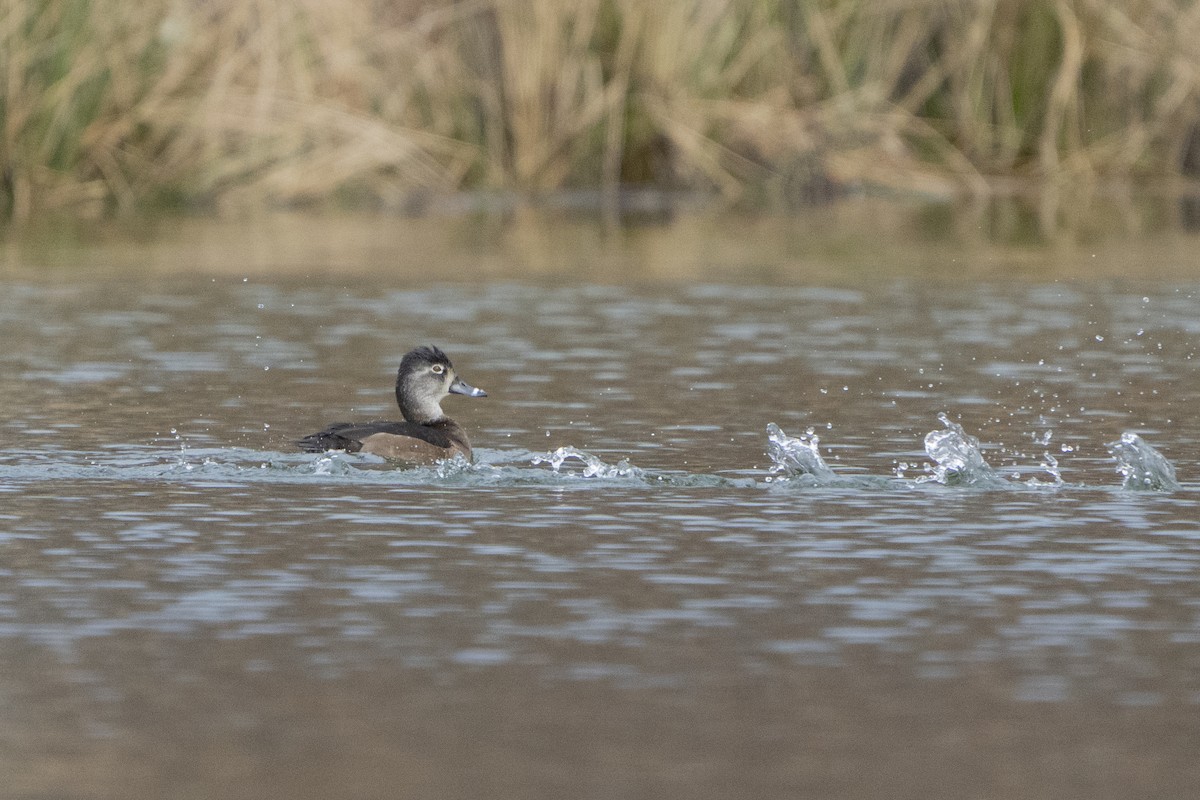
(425, 377)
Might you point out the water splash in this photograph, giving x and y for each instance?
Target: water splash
(593, 467)
(797, 461)
(958, 460)
(1141, 466)
(796, 456)
(1050, 465)
(452, 467)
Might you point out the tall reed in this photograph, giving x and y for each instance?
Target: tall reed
(111, 104)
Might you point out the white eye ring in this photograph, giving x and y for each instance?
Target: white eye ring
(438, 369)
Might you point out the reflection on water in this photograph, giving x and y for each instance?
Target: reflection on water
(716, 541)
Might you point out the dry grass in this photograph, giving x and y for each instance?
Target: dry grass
(111, 104)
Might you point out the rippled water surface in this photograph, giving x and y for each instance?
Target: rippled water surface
(625, 595)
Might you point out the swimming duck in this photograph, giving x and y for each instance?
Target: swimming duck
(427, 434)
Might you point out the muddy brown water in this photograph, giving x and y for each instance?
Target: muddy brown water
(191, 608)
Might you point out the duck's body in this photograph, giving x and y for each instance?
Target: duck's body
(426, 435)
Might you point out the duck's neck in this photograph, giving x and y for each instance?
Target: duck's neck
(422, 411)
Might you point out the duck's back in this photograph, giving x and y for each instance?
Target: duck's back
(405, 441)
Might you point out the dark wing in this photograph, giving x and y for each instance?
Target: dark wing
(349, 436)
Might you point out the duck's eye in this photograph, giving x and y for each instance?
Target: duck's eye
(438, 369)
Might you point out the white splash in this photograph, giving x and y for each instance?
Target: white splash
(1141, 466)
(795, 456)
(593, 467)
(958, 461)
(1050, 465)
(456, 465)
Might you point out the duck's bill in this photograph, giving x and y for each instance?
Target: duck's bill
(462, 387)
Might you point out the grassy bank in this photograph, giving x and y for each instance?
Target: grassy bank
(111, 104)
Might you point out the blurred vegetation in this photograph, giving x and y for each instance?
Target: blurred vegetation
(111, 104)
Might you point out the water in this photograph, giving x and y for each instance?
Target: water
(1141, 466)
(717, 540)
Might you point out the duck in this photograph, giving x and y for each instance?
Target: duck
(425, 378)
